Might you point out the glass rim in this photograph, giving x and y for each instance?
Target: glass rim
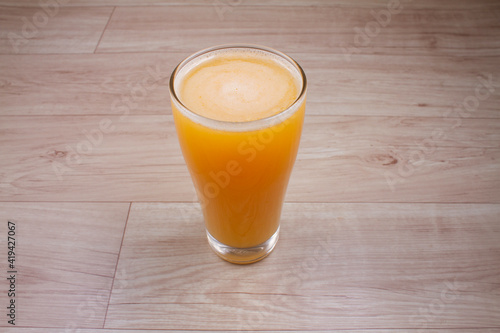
(239, 126)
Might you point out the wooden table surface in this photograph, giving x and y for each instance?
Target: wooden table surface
(392, 215)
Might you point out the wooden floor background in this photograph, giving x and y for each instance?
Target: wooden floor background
(392, 216)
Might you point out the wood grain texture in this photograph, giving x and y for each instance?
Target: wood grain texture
(387, 85)
(374, 85)
(56, 330)
(90, 84)
(71, 158)
(232, 3)
(66, 254)
(341, 159)
(391, 221)
(460, 32)
(350, 266)
(51, 30)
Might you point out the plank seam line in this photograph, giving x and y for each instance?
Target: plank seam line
(116, 266)
(104, 30)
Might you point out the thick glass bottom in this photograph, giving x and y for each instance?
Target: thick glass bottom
(243, 256)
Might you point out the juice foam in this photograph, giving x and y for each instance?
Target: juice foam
(238, 86)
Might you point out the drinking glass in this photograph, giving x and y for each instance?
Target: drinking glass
(240, 169)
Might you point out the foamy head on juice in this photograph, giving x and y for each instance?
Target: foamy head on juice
(238, 85)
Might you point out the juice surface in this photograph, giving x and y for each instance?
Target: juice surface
(238, 87)
(240, 176)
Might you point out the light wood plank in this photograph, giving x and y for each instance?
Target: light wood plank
(425, 86)
(387, 85)
(372, 175)
(456, 32)
(341, 159)
(51, 30)
(337, 163)
(86, 84)
(66, 254)
(55, 330)
(336, 266)
(391, 221)
(222, 4)
(73, 159)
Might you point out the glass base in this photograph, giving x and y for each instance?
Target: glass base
(243, 256)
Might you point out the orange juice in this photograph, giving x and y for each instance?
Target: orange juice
(238, 115)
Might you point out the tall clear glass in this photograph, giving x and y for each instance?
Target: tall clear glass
(240, 168)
